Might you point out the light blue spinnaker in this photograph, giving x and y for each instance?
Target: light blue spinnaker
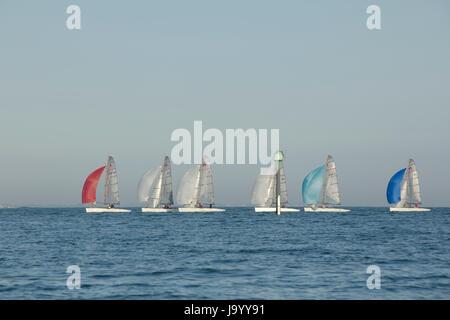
(394, 187)
(312, 186)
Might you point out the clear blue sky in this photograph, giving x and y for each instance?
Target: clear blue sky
(138, 70)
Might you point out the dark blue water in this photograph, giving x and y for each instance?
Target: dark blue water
(233, 255)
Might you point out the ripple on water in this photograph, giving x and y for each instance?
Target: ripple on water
(236, 255)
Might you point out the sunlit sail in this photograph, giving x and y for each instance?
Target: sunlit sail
(196, 191)
(155, 188)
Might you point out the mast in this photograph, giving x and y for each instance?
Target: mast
(278, 192)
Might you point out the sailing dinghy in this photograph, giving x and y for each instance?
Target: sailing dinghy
(403, 191)
(196, 192)
(111, 194)
(155, 188)
(320, 188)
(265, 191)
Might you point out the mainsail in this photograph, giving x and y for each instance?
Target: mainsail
(320, 186)
(166, 193)
(89, 193)
(206, 184)
(330, 186)
(413, 192)
(111, 195)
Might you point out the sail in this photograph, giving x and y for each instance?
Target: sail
(403, 191)
(263, 191)
(395, 187)
(166, 193)
(146, 183)
(283, 187)
(312, 186)
(206, 184)
(188, 192)
(413, 184)
(89, 193)
(111, 183)
(330, 189)
(155, 195)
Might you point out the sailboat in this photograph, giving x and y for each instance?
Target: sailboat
(155, 188)
(111, 194)
(320, 188)
(403, 191)
(264, 193)
(196, 192)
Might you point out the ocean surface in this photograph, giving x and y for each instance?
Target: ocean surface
(238, 254)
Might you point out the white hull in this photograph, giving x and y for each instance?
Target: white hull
(101, 210)
(408, 209)
(158, 210)
(200, 210)
(309, 209)
(273, 209)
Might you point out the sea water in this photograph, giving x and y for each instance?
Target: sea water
(237, 254)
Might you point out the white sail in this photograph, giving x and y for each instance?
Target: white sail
(146, 183)
(111, 195)
(330, 187)
(410, 187)
(155, 195)
(414, 196)
(206, 184)
(262, 193)
(188, 192)
(403, 192)
(196, 186)
(155, 186)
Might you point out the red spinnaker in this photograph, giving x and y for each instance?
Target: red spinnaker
(89, 193)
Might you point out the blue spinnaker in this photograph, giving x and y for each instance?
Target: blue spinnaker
(394, 187)
(312, 185)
